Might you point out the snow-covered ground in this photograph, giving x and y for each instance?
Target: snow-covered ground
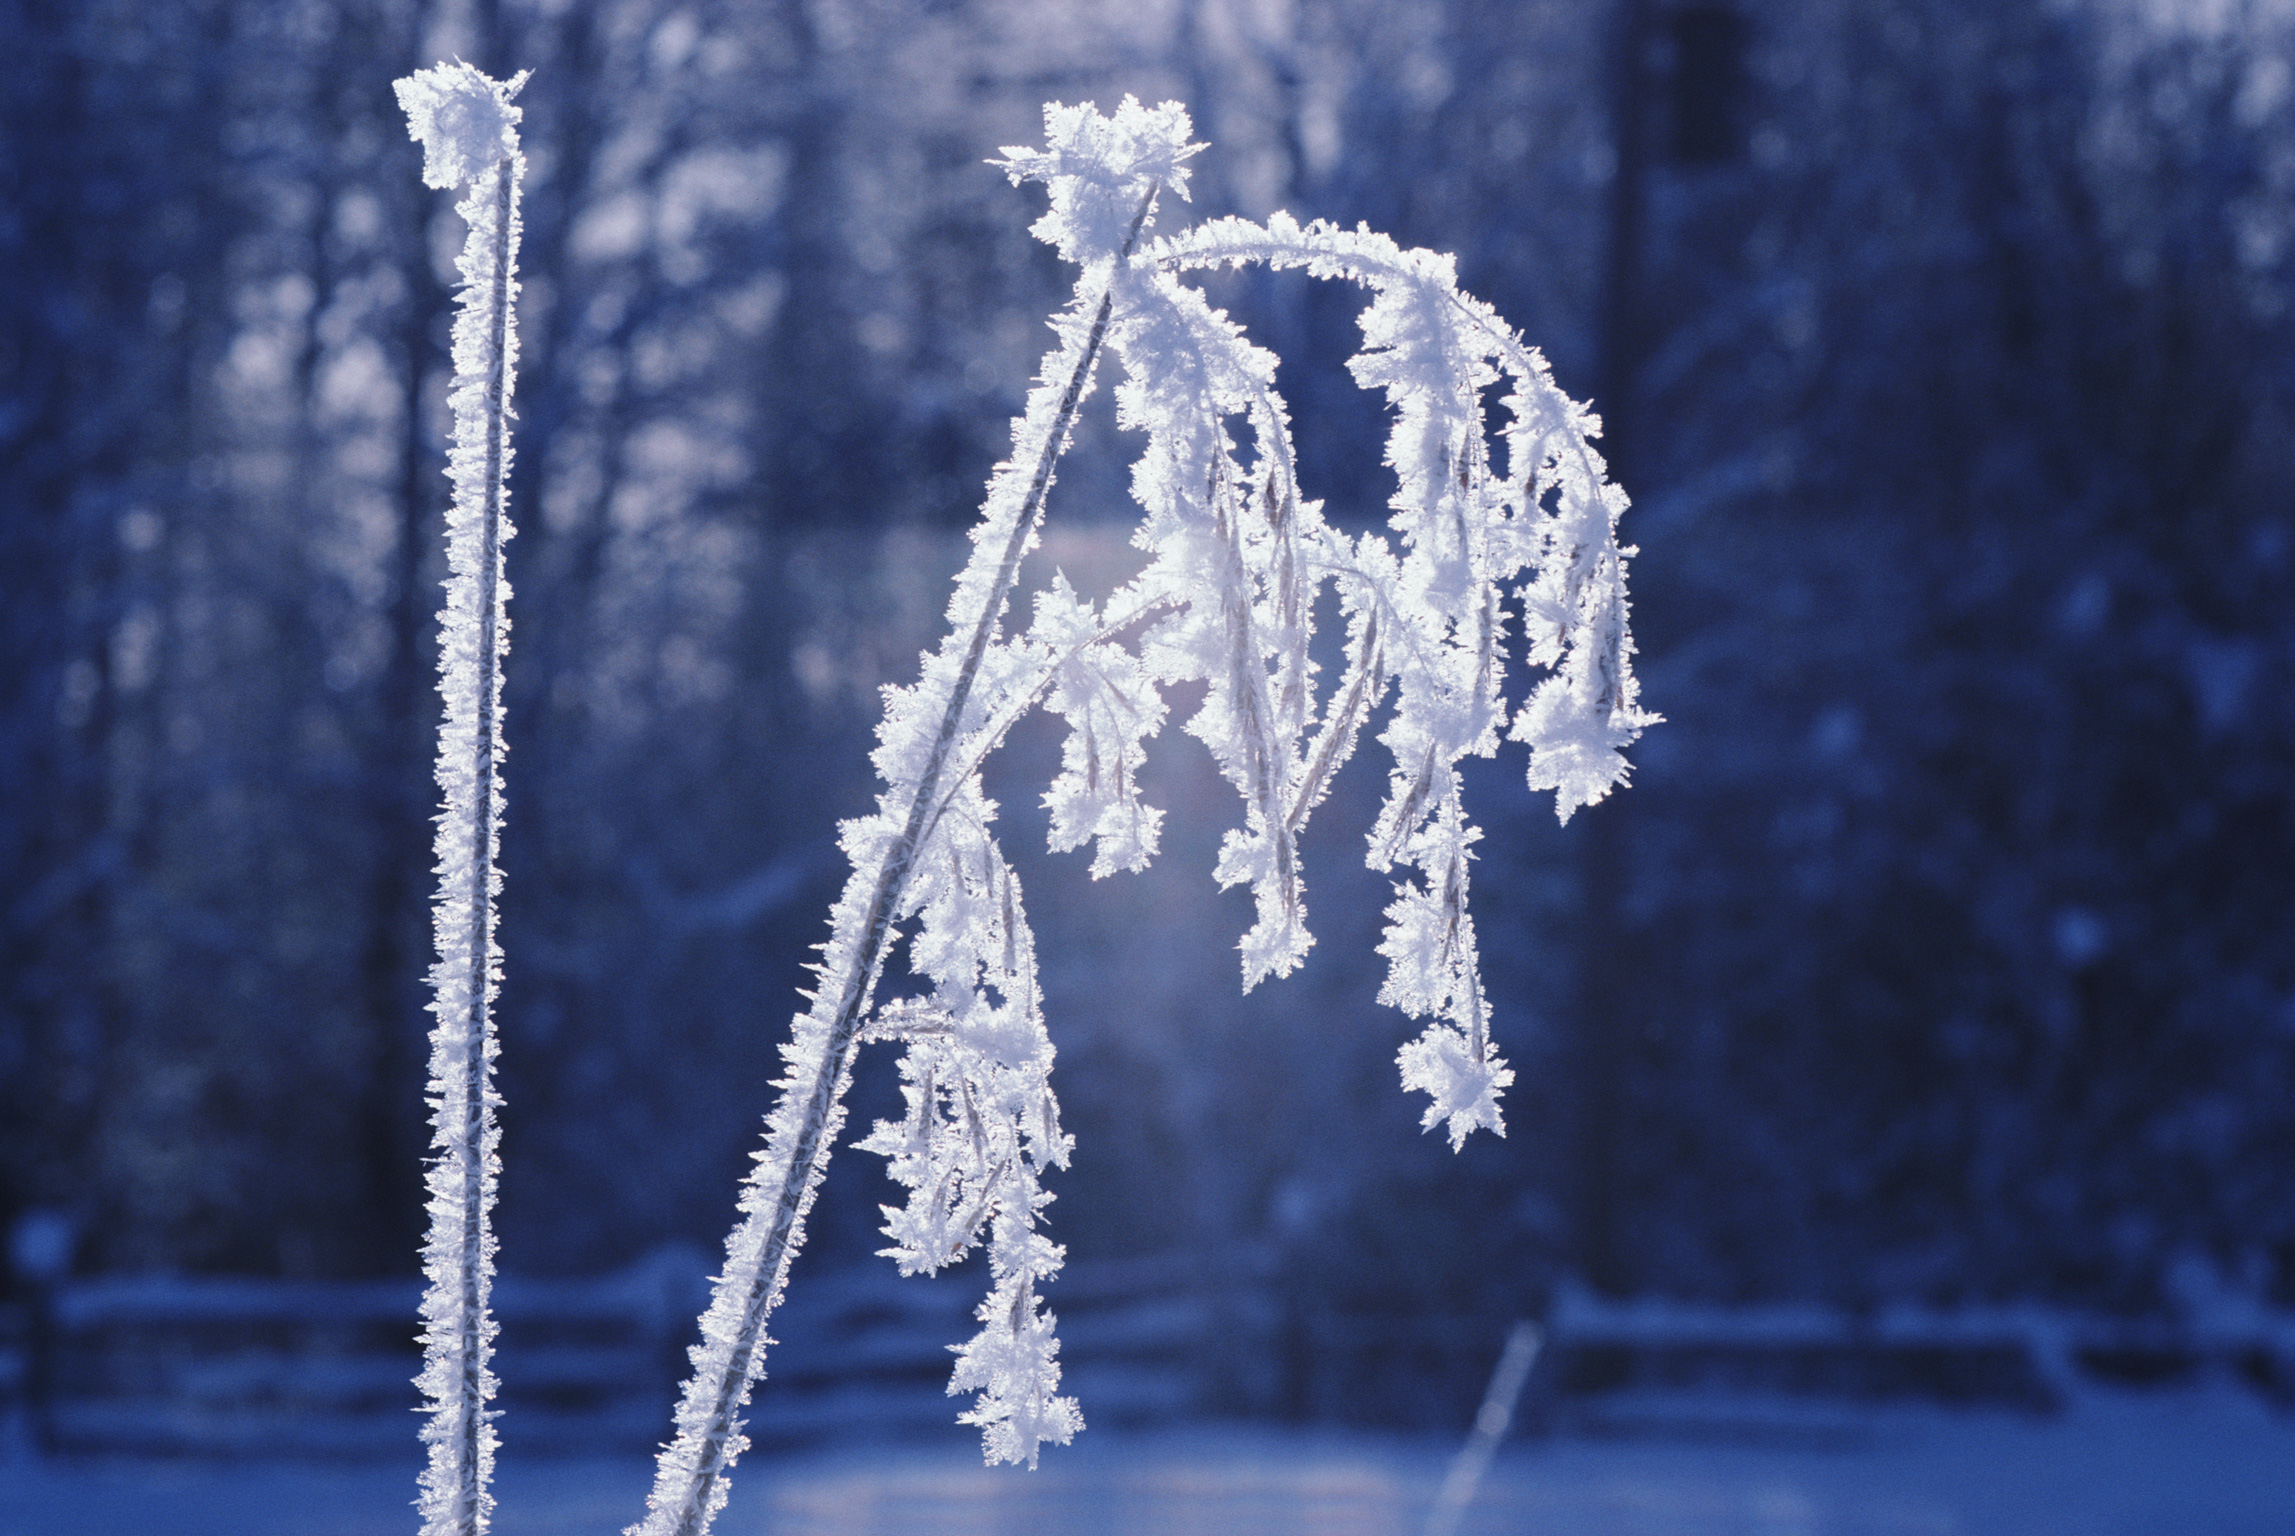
(2195, 1463)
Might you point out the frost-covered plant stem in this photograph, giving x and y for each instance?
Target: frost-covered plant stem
(689, 1487)
(1236, 557)
(467, 127)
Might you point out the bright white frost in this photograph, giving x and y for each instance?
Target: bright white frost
(467, 127)
(1237, 555)
(981, 1124)
(1227, 599)
(464, 122)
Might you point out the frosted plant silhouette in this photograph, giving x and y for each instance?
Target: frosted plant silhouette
(1237, 558)
(469, 134)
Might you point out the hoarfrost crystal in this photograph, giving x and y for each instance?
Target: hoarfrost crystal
(464, 122)
(468, 131)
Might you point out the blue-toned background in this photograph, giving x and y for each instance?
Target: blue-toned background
(1942, 954)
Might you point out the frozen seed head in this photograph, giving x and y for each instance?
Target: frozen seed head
(464, 121)
(1098, 169)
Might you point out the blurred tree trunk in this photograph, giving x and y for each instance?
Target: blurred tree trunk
(1610, 994)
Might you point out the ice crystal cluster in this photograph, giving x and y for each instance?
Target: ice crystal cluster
(1505, 526)
(468, 129)
(464, 122)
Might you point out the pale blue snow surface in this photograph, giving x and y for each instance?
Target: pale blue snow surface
(2214, 1462)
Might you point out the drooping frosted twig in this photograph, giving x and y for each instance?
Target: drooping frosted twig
(1430, 619)
(1226, 599)
(467, 126)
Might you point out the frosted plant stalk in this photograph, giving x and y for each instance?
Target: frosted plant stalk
(1491, 1421)
(467, 126)
(915, 826)
(1227, 597)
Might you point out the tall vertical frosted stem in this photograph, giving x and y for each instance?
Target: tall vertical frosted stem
(467, 127)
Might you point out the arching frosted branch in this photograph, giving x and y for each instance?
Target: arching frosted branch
(1236, 555)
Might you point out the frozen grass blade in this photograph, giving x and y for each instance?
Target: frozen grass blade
(1491, 1422)
(468, 129)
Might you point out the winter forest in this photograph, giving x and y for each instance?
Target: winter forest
(1941, 951)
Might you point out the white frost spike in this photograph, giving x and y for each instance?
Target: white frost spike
(467, 127)
(1463, 1088)
(1011, 1362)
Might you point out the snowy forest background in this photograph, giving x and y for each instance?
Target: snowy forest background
(1944, 948)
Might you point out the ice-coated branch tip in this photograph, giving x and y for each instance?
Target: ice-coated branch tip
(465, 122)
(1099, 169)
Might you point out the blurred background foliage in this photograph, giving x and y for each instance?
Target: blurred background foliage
(1942, 949)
